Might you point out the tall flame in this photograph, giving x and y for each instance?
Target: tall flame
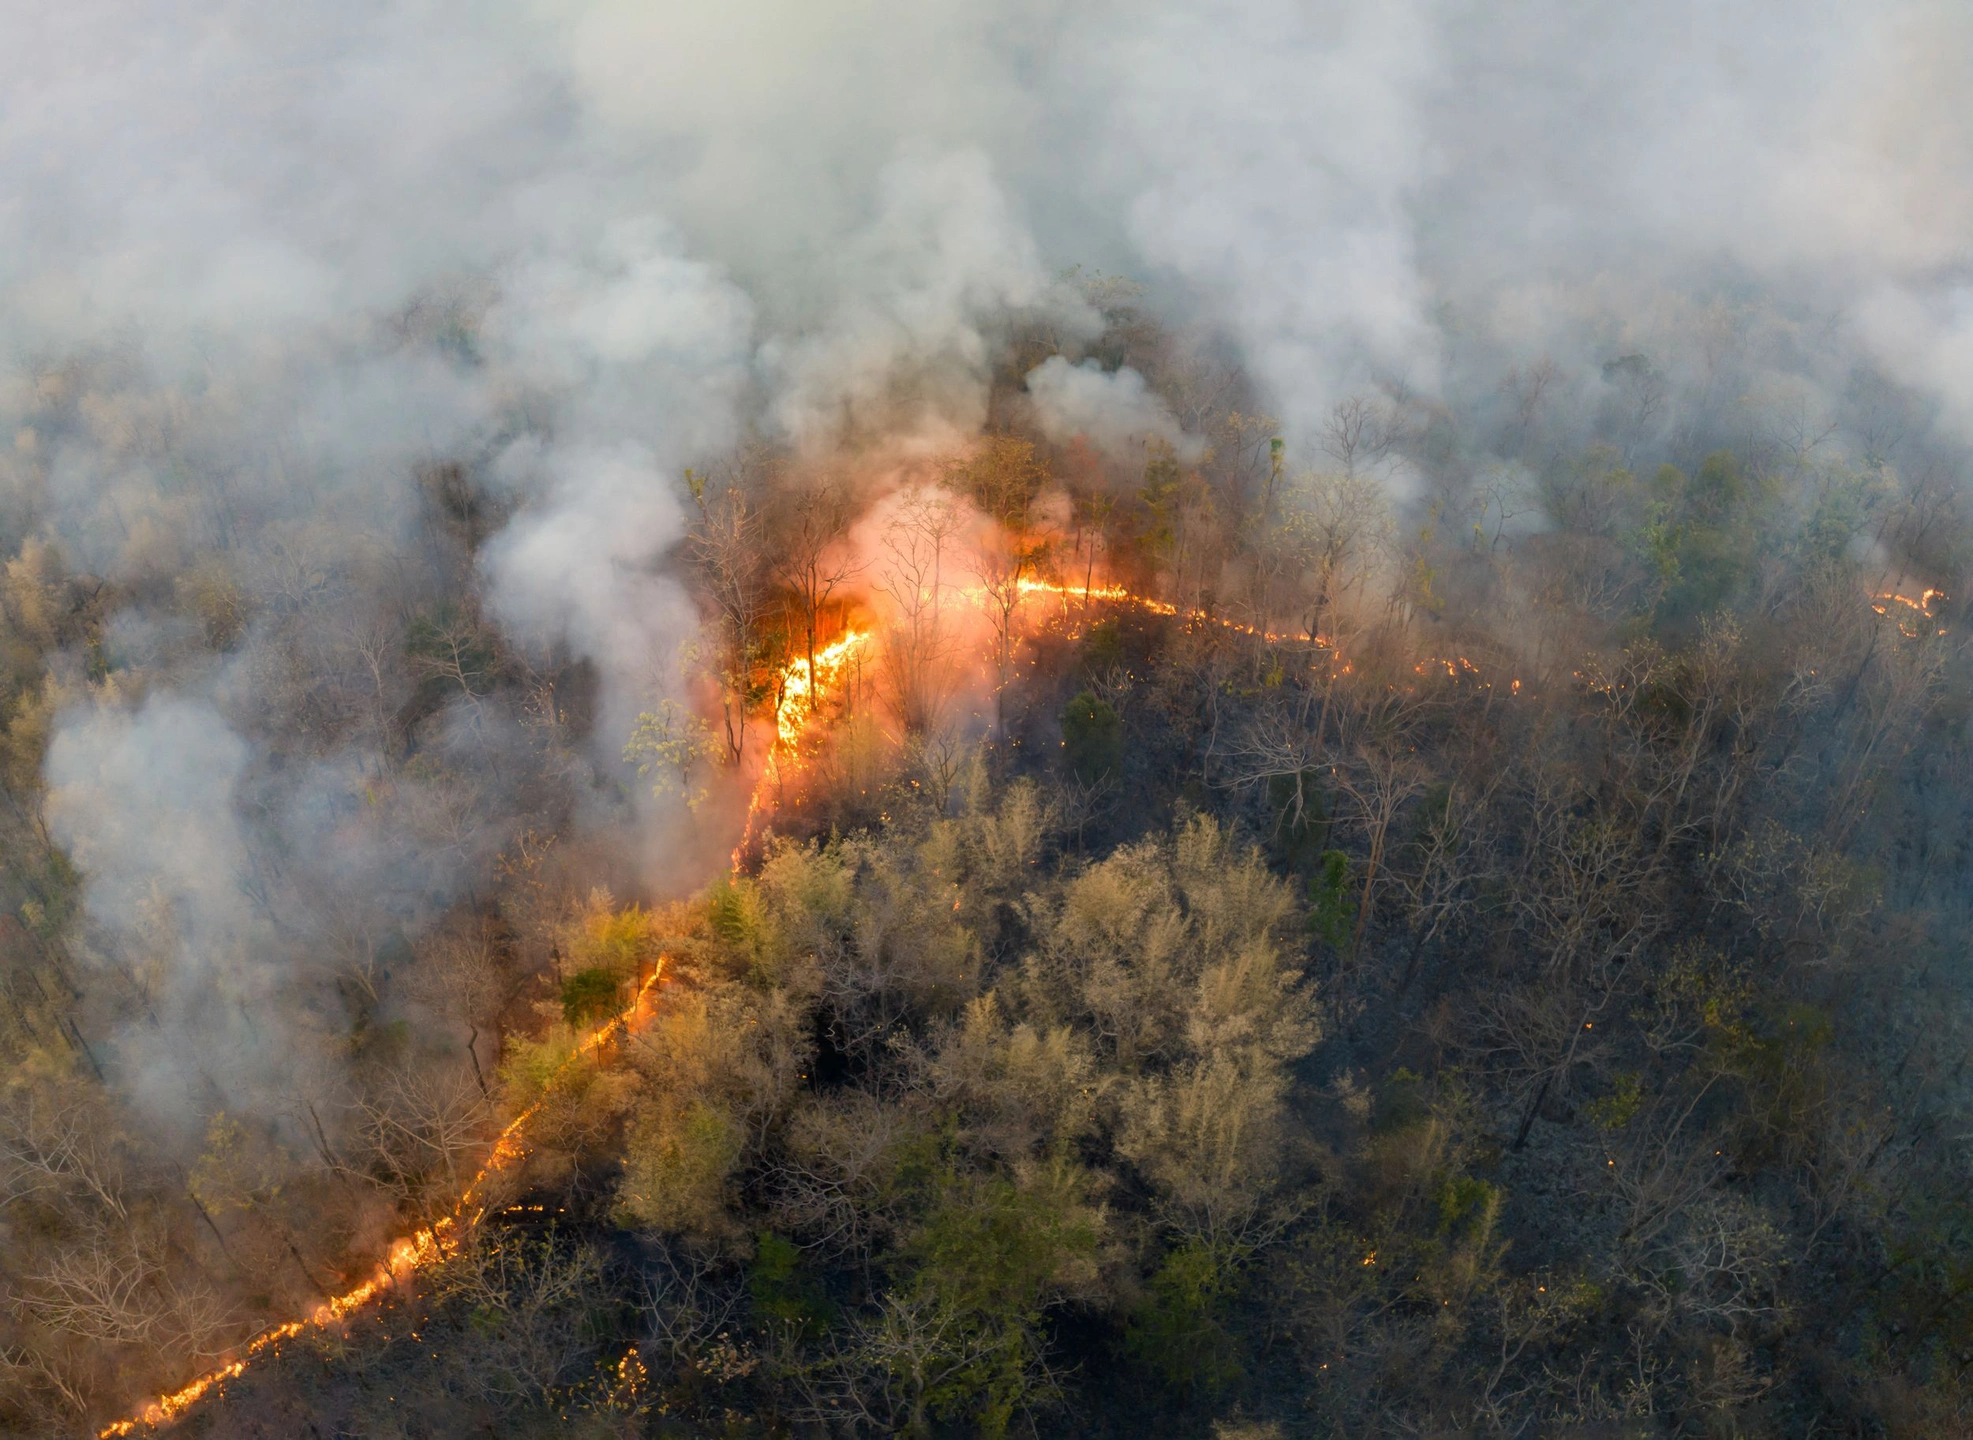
(798, 699)
(802, 686)
(411, 1253)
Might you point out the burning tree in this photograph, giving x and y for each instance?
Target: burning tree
(1002, 479)
(913, 578)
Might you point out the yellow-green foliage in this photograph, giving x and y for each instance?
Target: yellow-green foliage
(1142, 1033)
(239, 1168)
(715, 1069)
(531, 1067)
(676, 1163)
(607, 938)
(1021, 1091)
(213, 596)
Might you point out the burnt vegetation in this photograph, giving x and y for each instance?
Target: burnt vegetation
(1473, 942)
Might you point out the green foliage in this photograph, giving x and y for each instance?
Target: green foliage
(1401, 1103)
(1468, 1204)
(1002, 477)
(677, 1159)
(1617, 1109)
(591, 995)
(212, 594)
(1102, 646)
(531, 1067)
(1092, 739)
(239, 1169)
(1160, 496)
(993, 1249)
(1180, 1330)
(1421, 585)
(734, 912)
(1842, 509)
(989, 1254)
(1656, 538)
(783, 1291)
(737, 915)
(1715, 540)
(673, 748)
(613, 939)
(1333, 900)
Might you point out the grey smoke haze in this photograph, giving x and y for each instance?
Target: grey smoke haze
(1315, 179)
(1113, 409)
(655, 226)
(119, 784)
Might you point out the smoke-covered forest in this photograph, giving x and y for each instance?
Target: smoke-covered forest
(949, 721)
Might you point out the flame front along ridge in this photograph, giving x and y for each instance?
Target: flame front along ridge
(410, 1254)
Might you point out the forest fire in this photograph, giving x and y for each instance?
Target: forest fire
(408, 1255)
(798, 690)
(1117, 594)
(802, 684)
(1924, 608)
(1927, 603)
(806, 689)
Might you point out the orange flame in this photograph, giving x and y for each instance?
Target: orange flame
(799, 695)
(411, 1253)
(1926, 604)
(800, 686)
(1118, 595)
(800, 690)
(1925, 607)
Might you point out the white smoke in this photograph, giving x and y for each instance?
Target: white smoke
(1114, 410)
(143, 804)
(920, 289)
(643, 355)
(581, 245)
(1271, 154)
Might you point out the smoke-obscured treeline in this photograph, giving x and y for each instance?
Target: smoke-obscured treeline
(1472, 942)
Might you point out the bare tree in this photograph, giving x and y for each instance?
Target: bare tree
(424, 1130)
(1438, 885)
(725, 546)
(61, 1143)
(912, 577)
(1379, 781)
(375, 641)
(1359, 432)
(1002, 563)
(537, 1296)
(812, 562)
(114, 1288)
(459, 974)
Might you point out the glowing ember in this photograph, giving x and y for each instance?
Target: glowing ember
(412, 1253)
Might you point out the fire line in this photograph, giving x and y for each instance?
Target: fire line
(797, 704)
(410, 1254)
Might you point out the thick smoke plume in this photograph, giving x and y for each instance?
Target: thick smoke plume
(295, 301)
